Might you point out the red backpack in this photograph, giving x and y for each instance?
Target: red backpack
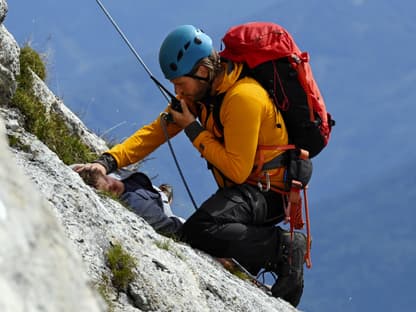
(272, 58)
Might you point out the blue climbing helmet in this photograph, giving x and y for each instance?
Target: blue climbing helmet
(182, 49)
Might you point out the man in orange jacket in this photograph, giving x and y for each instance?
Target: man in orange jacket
(238, 221)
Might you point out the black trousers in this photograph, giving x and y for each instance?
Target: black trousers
(238, 222)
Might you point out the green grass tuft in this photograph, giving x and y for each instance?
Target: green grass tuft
(50, 128)
(29, 58)
(240, 274)
(164, 244)
(16, 143)
(122, 267)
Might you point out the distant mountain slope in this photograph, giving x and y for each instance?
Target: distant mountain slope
(364, 245)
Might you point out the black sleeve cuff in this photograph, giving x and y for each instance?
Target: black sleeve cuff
(108, 162)
(193, 130)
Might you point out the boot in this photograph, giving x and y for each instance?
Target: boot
(289, 267)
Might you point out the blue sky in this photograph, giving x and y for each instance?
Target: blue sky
(363, 188)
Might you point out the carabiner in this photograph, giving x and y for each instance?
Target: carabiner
(260, 184)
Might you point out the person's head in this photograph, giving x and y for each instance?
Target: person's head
(188, 59)
(102, 182)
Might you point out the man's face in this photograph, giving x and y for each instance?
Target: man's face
(191, 89)
(109, 184)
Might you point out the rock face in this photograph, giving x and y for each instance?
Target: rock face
(55, 232)
(3, 10)
(40, 268)
(9, 59)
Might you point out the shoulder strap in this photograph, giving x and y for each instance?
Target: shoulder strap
(217, 102)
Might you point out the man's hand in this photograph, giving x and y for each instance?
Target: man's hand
(182, 119)
(90, 167)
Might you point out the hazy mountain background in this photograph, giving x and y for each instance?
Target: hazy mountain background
(364, 187)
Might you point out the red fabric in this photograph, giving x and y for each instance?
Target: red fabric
(315, 99)
(258, 42)
(244, 42)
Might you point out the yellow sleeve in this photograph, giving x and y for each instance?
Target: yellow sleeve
(142, 142)
(241, 114)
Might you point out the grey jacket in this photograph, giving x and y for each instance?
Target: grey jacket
(145, 200)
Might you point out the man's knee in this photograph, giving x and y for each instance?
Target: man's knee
(196, 224)
(240, 203)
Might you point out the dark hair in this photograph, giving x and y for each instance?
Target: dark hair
(212, 62)
(90, 176)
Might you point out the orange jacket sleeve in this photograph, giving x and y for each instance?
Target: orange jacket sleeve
(142, 143)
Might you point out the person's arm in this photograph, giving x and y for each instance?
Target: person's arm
(142, 143)
(148, 206)
(241, 114)
(135, 148)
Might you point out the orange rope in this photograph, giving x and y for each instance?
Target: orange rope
(308, 259)
(293, 210)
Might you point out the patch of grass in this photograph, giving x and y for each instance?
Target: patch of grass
(240, 274)
(50, 128)
(166, 244)
(122, 266)
(234, 269)
(29, 58)
(15, 142)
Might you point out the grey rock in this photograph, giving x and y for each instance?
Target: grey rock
(9, 65)
(9, 59)
(172, 278)
(9, 54)
(40, 269)
(3, 10)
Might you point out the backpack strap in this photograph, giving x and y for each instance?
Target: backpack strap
(217, 102)
(218, 99)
